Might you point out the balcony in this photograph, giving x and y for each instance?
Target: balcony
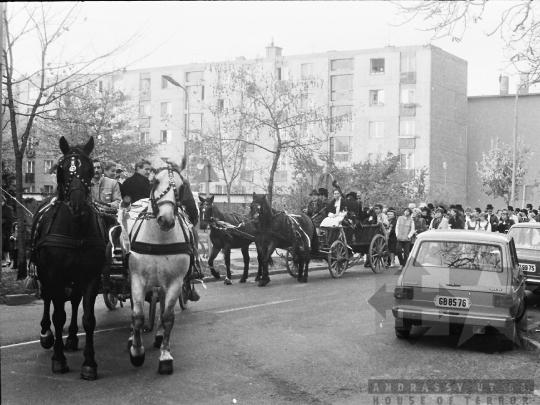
(246, 175)
(407, 142)
(280, 176)
(407, 110)
(407, 78)
(30, 178)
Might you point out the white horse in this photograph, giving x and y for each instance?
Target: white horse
(161, 254)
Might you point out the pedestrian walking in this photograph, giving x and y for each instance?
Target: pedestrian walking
(404, 232)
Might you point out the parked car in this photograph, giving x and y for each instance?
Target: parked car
(527, 240)
(459, 277)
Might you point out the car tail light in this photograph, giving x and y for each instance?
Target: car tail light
(406, 293)
(503, 300)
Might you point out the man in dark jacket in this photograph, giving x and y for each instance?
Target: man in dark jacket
(352, 205)
(505, 223)
(492, 218)
(138, 186)
(316, 209)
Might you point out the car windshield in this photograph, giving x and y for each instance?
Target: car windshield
(526, 238)
(468, 256)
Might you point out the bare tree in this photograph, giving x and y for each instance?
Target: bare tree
(518, 26)
(47, 27)
(277, 114)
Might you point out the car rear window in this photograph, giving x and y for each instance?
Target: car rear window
(526, 238)
(469, 256)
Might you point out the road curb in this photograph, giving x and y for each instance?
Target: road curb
(17, 299)
(531, 344)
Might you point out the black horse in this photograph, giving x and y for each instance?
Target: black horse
(69, 252)
(275, 229)
(224, 237)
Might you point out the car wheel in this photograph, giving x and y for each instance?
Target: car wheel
(521, 310)
(403, 329)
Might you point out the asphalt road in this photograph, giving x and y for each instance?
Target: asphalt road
(287, 343)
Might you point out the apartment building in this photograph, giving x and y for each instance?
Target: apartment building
(409, 101)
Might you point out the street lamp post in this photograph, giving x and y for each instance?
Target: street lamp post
(186, 123)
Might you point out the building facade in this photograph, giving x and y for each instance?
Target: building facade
(492, 117)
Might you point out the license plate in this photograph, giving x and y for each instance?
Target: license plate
(531, 268)
(452, 302)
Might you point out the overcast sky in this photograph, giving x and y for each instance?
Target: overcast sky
(183, 32)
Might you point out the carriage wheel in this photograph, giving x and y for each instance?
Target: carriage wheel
(292, 266)
(338, 259)
(183, 300)
(378, 253)
(111, 300)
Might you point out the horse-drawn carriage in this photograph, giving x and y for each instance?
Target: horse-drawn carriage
(344, 246)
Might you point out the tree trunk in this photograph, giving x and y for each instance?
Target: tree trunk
(271, 179)
(21, 216)
(228, 185)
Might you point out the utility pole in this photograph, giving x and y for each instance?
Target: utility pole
(186, 123)
(514, 153)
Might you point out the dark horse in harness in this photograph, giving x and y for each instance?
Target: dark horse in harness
(237, 233)
(69, 253)
(275, 229)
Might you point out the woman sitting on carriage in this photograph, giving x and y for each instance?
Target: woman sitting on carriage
(336, 210)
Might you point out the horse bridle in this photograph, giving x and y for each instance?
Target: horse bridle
(207, 205)
(73, 172)
(154, 201)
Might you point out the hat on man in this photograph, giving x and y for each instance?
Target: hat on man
(442, 208)
(459, 207)
(452, 206)
(314, 192)
(323, 191)
(478, 210)
(510, 208)
(529, 207)
(352, 194)
(431, 206)
(489, 207)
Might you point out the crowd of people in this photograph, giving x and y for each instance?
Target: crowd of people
(404, 225)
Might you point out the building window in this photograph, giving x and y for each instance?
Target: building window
(48, 189)
(144, 110)
(376, 97)
(194, 76)
(342, 118)
(166, 136)
(408, 63)
(278, 73)
(145, 85)
(144, 138)
(307, 70)
(47, 166)
(408, 96)
(407, 160)
(33, 92)
(196, 95)
(247, 173)
(377, 66)
(195, 122)
(165, 84)
(30, 166)
(342, 87)
(281, 169)
(340, 148)
(100, 86)
(250, 143)
(407, 128)
(342, 64)
(376, 129)
(166, 109)
(223, 104)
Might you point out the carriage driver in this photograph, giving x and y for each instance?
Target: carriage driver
(316, 210)
(103, 189)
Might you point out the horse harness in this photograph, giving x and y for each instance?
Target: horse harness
(296, 228)
(146, 248)
(226, 227)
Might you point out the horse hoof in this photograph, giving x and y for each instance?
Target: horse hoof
(302, 279)
(72, 345)
(129, 344)
(89, 373)
(215, 274)
(243, 280)
(137, 361)
(157, 341)
(59, 366)
(47, 341)
(258, 278)
(165, 367)
(263, 282)
(227, 281)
